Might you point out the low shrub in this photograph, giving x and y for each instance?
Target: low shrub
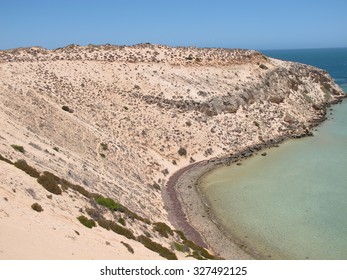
(94, 213)
(121, 230)
(130, 249)
(5, 159)
(156, 247)
(198, 250)
(264, 67)
(108, 203)
(89, 223)
(18, 148)
(121, 221)
(50, 182)
(67, 109)
(163, 229)
(104, 146)
(180, 247)
(180, 234)
(37, 207)
(22, 165)
(76, 188)
(106, 224)
(182, 151)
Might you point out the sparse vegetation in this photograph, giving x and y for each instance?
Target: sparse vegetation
(130, 249)
(22, 164)
(163, 229)
(18, 148)
(182, 152)
(180, 247)
(104, 146)
(56, 149)
(5, 159)
(67, 109)
(121, 221)
(50, 182)
(264, 67)
(37, 207)
(156, 247)
(94, 213)
(108, 203)
(156, 186)
(199, 250)
(121, 230)
(89, 223)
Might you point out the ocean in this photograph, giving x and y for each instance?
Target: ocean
(291, 204)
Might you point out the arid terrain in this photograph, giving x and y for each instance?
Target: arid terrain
(105, 127)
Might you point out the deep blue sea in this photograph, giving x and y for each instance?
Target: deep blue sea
(291, 204)
(333, 60)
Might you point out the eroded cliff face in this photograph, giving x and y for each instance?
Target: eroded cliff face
(128, 111)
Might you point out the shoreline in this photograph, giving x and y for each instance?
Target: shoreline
(189, 212)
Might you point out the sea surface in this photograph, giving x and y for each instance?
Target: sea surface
(292, 203)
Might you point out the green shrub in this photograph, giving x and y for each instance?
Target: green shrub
(37, 207)
(56, 149)
(50, 182)
(182, 151)
(163, 229)
(121, 230)
(198, 249)
(180, 234)
(76, 188)
(156, 247)
(121, 221)
(22, 165)
(180, 247)
(108, 203)
(133, 215)
(89, 223)
(18, 148)
(106, 224)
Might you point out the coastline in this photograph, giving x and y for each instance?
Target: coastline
(189, 212)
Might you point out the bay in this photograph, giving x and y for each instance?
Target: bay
(290, 204)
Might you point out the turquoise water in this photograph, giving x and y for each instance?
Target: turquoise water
(290, 204)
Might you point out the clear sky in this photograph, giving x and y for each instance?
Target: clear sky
(263, 24)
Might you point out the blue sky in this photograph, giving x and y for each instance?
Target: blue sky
(266, 24)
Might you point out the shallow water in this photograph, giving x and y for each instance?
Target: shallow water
(290, 204)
